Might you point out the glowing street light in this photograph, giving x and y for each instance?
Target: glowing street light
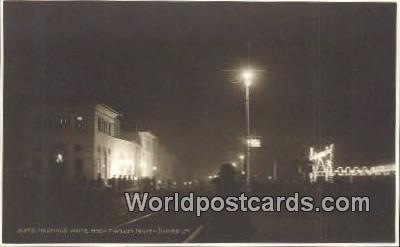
(247, 76)
(241, 158)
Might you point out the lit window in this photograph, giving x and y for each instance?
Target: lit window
(63, 121)
(79, 122)
(59, 158)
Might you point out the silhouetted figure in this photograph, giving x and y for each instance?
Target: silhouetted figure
(227, 226)
(225, 183)
(113, 182)
(99, 181)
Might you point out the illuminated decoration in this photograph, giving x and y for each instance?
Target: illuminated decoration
(322, 163)
(254, 142)
(374, 170)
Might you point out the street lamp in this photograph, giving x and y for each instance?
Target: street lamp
(247, 76)
(241, 158)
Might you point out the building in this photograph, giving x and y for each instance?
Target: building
(73, 143)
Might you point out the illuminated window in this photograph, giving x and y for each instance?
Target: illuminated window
(63, 121)
(59, 158)
(79, 122)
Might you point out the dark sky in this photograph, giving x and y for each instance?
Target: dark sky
(330, 73)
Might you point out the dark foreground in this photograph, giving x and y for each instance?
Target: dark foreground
(33, 214)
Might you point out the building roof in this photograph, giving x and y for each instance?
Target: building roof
(109, 110)
(131, 136)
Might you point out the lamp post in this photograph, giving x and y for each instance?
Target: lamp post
(247, 76)
(241, 158)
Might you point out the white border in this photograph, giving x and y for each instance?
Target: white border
(396, 243)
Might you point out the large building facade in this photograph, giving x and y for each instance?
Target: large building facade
(85, 142)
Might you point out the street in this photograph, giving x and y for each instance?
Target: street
(103, 216)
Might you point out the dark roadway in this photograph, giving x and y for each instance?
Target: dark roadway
(99, 216)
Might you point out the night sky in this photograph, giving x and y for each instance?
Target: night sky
(329, 74)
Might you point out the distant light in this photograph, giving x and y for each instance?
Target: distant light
(190, 182)
(269, 177)
(154, 168)
(79, 118)
(243, 173)
(210, 177)
(241, 157)
(234, 164)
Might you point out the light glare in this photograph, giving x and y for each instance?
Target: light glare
(247, 75)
